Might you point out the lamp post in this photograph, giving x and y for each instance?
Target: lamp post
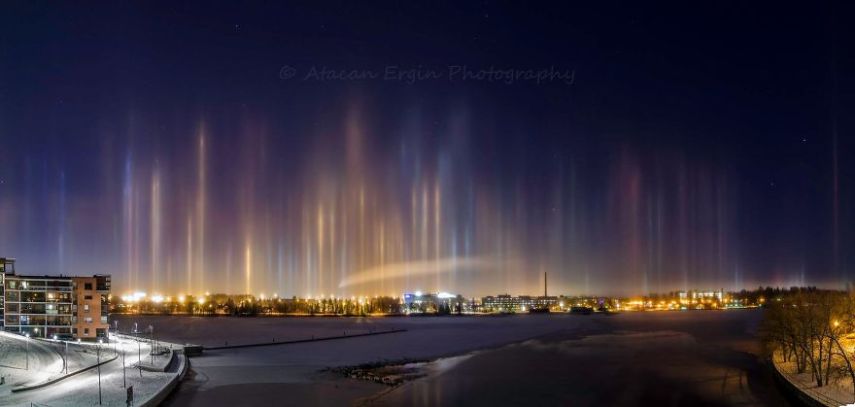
(139, 356)
(27, 342)
(66, 357)
(124, 380)
(98, 350)
(151, 344)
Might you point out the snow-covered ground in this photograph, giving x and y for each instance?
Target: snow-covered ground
(721, 346)
(837, 393)
(15, 351)
(82, 389)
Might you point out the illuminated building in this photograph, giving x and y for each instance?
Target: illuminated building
(48, 306)
(419, 302)
(91, 306)
(522, 303)
(5, 265)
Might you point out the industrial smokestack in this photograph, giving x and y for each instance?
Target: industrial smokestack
(544, 284)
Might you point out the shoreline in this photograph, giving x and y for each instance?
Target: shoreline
(422, 315)
(807, 392)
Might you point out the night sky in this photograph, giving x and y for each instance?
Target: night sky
(375, 148)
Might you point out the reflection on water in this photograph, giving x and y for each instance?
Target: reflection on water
(443, 365)
(657, 367)
(680, 358)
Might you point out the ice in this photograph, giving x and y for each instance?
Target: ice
(717, 349)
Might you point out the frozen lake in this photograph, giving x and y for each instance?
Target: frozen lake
(676, 358)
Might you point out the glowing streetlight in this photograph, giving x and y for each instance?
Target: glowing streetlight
(151, 343)
(27, 341)
(139, 356)
(124, 379)
(98, 351)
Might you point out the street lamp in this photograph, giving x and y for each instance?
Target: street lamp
(139, 356)
(98, 350)
(27, 341)
(124, 380)
(151, 344)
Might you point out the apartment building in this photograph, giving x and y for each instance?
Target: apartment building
(53, 306)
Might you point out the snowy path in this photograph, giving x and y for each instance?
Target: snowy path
(15, 350)
(82, 389)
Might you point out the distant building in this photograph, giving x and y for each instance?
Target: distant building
(48, 306)
(522, 303)
(430, 303)
(695, 295)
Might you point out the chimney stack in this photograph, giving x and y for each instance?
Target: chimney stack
(544, 284)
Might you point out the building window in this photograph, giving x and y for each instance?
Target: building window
(86, 331)
(87, 297)
(87, 286)
(86, 308)
(88, 320)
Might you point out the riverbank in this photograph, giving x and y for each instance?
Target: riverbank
(837, 393)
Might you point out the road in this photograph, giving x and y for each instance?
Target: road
(24, 361)
(83, 388)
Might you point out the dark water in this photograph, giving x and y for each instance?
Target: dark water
(700, 358)
(687, 359)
